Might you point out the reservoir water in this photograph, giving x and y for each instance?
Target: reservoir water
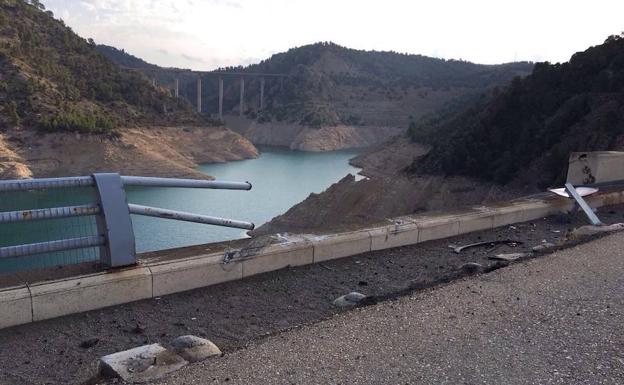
(281, 178)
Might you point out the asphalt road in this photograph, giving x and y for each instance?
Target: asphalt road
(551, 320)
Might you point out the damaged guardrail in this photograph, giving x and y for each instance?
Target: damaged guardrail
(115, 235)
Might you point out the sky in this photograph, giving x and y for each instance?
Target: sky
(207, 34)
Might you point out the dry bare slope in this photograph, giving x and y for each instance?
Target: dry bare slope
(154, 151)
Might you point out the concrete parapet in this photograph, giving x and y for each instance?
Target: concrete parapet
(192, 273)
(19, 305)
(341, 245)
(399, 234)
(279, 256)
(606, 199)
(15, 306)
(595, 167)
(438, 228)
(80, 294)
(481, 218)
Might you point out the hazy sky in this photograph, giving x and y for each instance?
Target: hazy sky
(205, 34)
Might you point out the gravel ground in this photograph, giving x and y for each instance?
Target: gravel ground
(237, 313)
(555, 320)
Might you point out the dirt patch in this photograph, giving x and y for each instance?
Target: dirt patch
(391, 158)
(298, 137)
(156, 151)
(235, 313)
(350, 203)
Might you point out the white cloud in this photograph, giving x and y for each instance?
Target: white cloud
(205, 34)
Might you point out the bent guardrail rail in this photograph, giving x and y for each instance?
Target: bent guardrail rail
(115, 235)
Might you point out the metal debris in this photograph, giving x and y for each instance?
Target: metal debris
(508, 242)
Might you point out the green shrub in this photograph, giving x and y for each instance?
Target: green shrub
(77, 121)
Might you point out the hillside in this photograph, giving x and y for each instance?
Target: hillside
(329, 85)
(53, 80)
(124, 59)
(525, 132)
(65, 109)
(514, 141)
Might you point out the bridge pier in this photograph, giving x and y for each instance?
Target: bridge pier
(176, 88)
(220, 98)
(261, 93)
(242, 96)
(199, 87)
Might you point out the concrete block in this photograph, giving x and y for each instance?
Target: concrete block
(341, 245)
(192, 273)
(15, 306)
(279, 256)
(393, 236)
(76, 295)
(595, 167)
(438, 228)
(481, 219)
(143, 364)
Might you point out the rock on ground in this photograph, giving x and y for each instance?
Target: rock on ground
(194, 349)
(350, 299)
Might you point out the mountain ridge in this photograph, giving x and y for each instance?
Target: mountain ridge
(328, 85)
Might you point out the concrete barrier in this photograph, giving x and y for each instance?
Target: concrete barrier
(482, 218)
(399, 234)
(45, 300)
(76, 295)
(15, 306)
(341, 245)
(192, 273)
(437, 228)
(595, 167)
(279, 256)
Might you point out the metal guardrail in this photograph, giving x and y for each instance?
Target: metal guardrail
(115, 237)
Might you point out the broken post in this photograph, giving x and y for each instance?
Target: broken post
(583, 204)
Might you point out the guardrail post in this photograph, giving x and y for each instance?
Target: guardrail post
(114, 221)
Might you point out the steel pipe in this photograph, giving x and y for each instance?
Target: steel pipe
(45, 183)
(48, 213)
(51, 246)
(593, 218)
(148, 181)
(188, 217)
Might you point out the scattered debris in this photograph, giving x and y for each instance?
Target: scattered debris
(582, 191)
(589, 230)
(86, 344)
(326, 267)
(545, 247)
(471, 268)
(508, 242)
(142, 364)
(350, 299)
(509, 257)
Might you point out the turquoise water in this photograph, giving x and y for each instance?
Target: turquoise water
(281, 178)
